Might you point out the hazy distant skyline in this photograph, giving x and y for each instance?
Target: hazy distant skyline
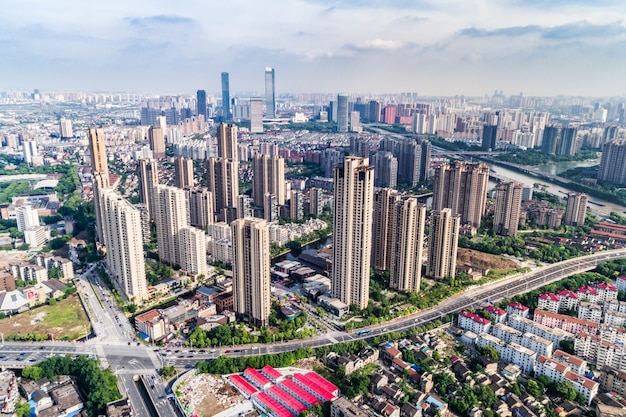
(432, 47)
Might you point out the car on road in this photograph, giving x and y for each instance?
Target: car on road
(212, 350)
(228, 351)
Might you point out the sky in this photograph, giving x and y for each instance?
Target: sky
(432, 47)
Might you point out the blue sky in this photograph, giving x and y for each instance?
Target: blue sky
(433, 47)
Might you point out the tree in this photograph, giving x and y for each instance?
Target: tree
(533, 388)
(32, 372)
(566, 389)
(22, 409)
(168, 371)
(567, 346)
(491, 352)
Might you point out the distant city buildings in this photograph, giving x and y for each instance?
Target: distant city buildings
(65, 128)
(256, 115)
(270, 95)
(156, 136)
(342, 112)
(226, 114)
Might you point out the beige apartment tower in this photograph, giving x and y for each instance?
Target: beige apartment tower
(100, 175)
(408, 221)
(171, 215)
(443, 244)
(201, 211)
(192, 244)
(462, 187)
(223, 173)
(384, 201)
(576, 209)
(269, 177)
(251, 269)
(147, 180)
(352, 230)
(508, 207)
(156, 136)
(123, 231)
(183, 172)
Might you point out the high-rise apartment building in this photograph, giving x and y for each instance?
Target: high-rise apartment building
(251, 269)
(225, 98)
(192, 251)
(296, 205)
(269, 177)
(352, 231)
(201, 107)
(30, 152)
(65, 128)
(124, 239)
(384, 200)
(576, 209)
(408, 222)
(171, 215)
(156, 136)
(270, 95)
(462, 187)
(385, 170)
(26, 217)
(355, 121)
(223, 173)
(613, 163)
(559, 140)
(183, 172)
(342, 112)
(100, 174)
(201, 211)
(256, 115)
(316, 205)
(413, 159)
(375, 111)
(443, 244)
(147, 180)
(508, 208)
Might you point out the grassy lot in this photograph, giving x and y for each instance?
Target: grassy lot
(66, 320)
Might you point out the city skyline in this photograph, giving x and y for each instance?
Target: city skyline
(426, 47)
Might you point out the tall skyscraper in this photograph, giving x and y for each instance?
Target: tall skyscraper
(225, 98)
(171, 215)
(65, 128)
(256, 115)
(192, 251)
(408, 221)
(201, 211)
(124, 239)
(462, 187)
(508, 207)
(576, 209)
(489, 137)
(443, 244)
(201, 107)
(251, 269)
(375, 111)
(269, 177)
(26, 217)
(270, 97)
(342, 112)
(183, 172)
(100, 174)
(613, 163)
(156, 136)
(385, 170)
(559, 140)
(413, 159)
(147, 180)
(384, 201)
(352, 231)
(316, 204)
(223, 173)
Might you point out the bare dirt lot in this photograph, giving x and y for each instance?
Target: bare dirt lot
(484, 260)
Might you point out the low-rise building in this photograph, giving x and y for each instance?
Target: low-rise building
(496, 313)
(575, 363)
(568, 300)
(151, 324)
(567, 323)
(517, 309)
(613, 380)
(510, 352)
(473, 322)
(342, 407)
(525, 325)
(589, 311)
(548, 302)
(560, 372)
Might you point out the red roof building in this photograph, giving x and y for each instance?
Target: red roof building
(323, 383)
(313, 388)
(257, 378)
(267, 403)
(271, 373)
(300, 393)
(287, 400)
(243, 386)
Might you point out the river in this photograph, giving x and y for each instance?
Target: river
(555, 169)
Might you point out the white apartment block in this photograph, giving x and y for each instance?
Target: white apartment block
(560, 372)
(528, 326)
(517, 309)
(576, 364)
(36, 236)
(615, 305)
(612, 333)
(549, 302)
(506, 333)
(586, 346)
(193, 250)
(589, 311)
(496, 313)
(568, 300)
(538, 344)
(473, 322)
(607, 291)
(510, 352)
(620, 283)
(29, 272)
(615, 318)
(220, 250)
(588, 293)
